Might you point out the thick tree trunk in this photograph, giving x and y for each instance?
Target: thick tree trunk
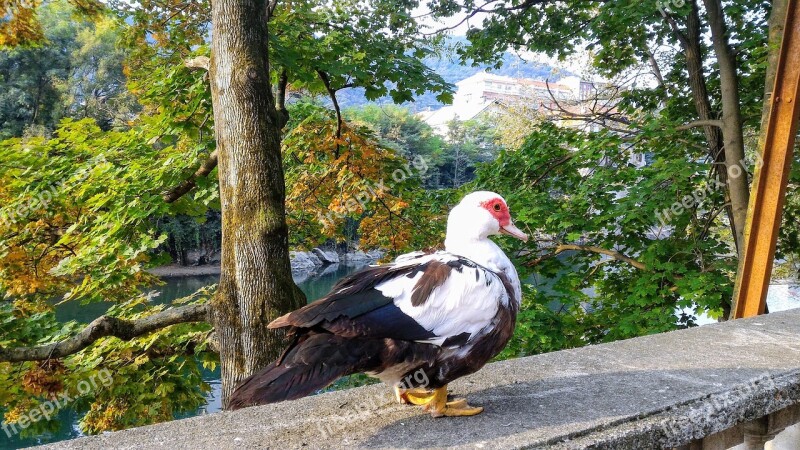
(256, 282)
(731, 120)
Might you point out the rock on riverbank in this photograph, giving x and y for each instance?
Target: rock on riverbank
(310, 261)
(327, 257)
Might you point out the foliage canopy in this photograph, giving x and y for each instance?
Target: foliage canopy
(102, 119)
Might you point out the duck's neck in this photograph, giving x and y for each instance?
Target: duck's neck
(488, 254)
(480, 250)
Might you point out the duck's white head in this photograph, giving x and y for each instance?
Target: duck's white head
(478, 216)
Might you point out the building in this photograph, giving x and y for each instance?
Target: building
(575, 102)
(485, 92)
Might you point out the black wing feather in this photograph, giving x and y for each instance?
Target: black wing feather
(351, 297)
(354, 307)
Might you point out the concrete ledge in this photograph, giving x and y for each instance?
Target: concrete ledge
(658, 391)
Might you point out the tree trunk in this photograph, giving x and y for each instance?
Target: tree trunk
(697, 83)
(36, 102)
(690, 41)
(731, 121)
(256, 283)
(777, 17)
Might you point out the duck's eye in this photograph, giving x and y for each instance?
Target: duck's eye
(497, 206)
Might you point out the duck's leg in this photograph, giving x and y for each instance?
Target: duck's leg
(399, 395)
(415, 396)
(440, 407)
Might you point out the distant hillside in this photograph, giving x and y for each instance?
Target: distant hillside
(451, 71)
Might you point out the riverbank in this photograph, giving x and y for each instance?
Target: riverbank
(175, 270)
(303, 263)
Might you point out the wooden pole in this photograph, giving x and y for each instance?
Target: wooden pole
(769, 186)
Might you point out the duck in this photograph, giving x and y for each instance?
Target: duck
(417, 323)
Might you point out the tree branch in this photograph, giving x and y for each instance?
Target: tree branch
(682, 38)
(283, 113)
(495, 10)
(332, 93)
(271, 4)
(700, 123)
(655, 68)
(603, 251)
(550, 167)
(595, 115)
(590, 248)
(106, 326)
(189, 183)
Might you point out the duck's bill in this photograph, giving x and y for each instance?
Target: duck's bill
(513, 231)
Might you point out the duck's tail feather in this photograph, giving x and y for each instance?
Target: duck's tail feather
(313, 362)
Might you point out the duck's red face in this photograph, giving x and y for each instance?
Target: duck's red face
(499, 210)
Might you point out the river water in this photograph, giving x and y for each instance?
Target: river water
(784, 296)
(314, 286)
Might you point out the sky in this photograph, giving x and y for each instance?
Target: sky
(459, 24)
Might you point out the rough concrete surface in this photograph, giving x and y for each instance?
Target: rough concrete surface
(650, 392)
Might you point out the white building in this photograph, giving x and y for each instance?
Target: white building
(485, 91)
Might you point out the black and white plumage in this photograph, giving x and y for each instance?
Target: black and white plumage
(417, 323)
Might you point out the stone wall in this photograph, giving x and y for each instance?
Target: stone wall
(717, 386)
